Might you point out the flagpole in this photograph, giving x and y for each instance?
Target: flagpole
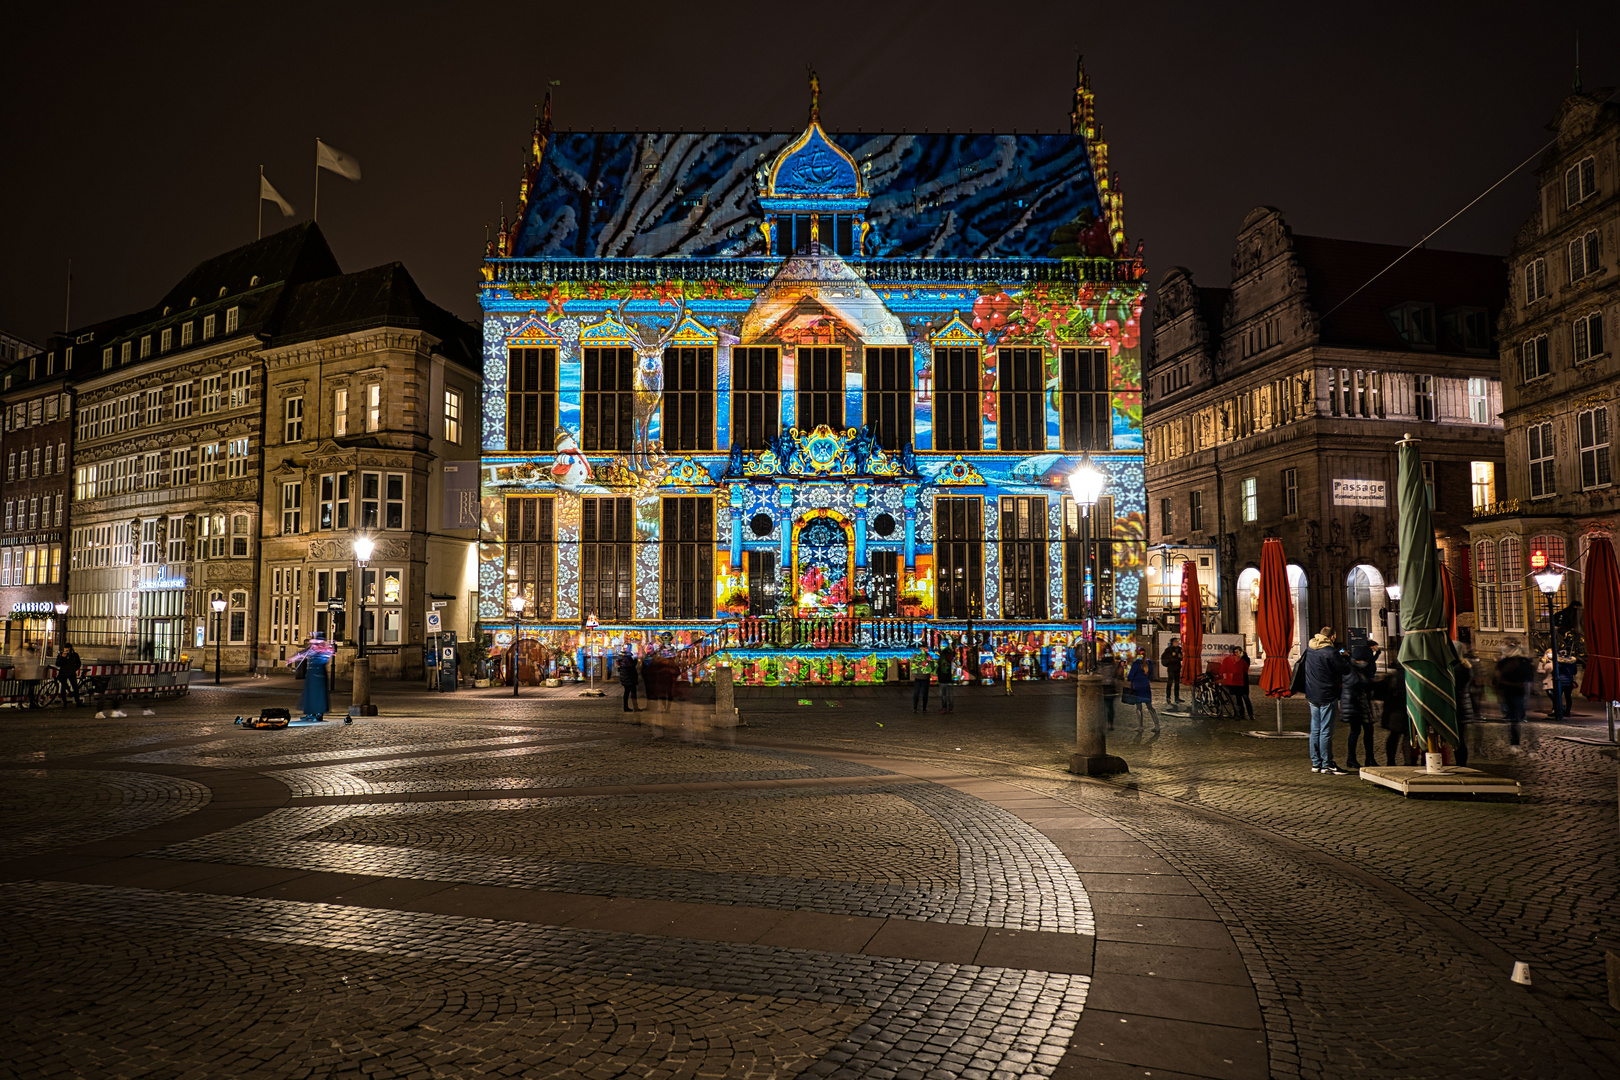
(315, 215)
(261, 203)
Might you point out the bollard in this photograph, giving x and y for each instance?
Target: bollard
(1091, 756)
(725, 705)
(360, 677)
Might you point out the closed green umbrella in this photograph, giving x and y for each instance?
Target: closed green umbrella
(1426, 652)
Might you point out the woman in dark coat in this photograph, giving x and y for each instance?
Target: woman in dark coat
(628, 680)
(1356, 703)
(1394, 719)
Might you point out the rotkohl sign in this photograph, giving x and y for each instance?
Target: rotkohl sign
(1358, 493)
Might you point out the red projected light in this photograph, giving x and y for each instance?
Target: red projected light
(1538, 560)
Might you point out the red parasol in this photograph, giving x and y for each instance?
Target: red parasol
(1192, 625)
(1275, 620)
(1450, 595)
(1600, 602)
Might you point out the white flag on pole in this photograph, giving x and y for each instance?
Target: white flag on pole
(266, 191)
(336, 161)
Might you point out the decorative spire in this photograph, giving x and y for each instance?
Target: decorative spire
(815, 98)
(1083, 122)
(489, 245)
(1083, 116)
(503, 245)
(1577, 61)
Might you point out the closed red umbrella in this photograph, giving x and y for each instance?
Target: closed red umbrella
(1450, 595)
(1600, 619)
(1275, 620)
(1192, 625)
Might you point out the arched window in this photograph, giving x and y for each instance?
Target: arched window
(1364, 599)
(1510, 573)
(1299, 587)
(1487, 607)
(1248, 607)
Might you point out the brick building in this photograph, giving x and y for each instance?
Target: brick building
(36, 435)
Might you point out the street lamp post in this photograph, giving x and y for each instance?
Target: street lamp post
(1549, 581)
(1091, 756)
(219, 611)
(1393, 591)
(61, 624)
(518, 603)
(361, 682)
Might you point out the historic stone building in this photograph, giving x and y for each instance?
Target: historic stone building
(1560, 376)
(36, 435)
(766, 390)
(1274, 406)
(264, 359)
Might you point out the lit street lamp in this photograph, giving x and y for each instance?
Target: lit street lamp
(517, 619)
(1087, 483)
(61, 624)
(1091, 756)
(361, 682)
(219, 611)
(1393, 591)
(1549, 581)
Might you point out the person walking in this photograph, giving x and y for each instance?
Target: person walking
(1172, 671)
(1235, 679)
(1356, 704)
(1320, 675)
(1514, 673)
(628, 677)
(1465, 701)
(947, 677)
(1139, 687)
(316, 659)
(1108, 671)
(922, 674)
(26, 672)
(67, 668)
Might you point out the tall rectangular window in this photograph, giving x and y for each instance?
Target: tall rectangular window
(756, 402)
(1485, 582)
(236, 457)
(152, 471)
(292, 430)
(1479, 401)
(883, 582)
(958, 555)
(1511, 559)
(1583, 257)
(176, 539)
(394, 501)
(1423, 396)
(1021, 412)
(208, 463)
(1482, 483)
(292, 508)
(1024, 573)
(188, 333)
(1086, 399)
(1535, 280)
(233, 319)
(373, 393)
(1534, 358)
(762, 583)
(1195, 511)
(531, 399)
(689, 384)
(370, 499)
(1540, 440)
(241, 382)
(531, 554)
(1593, 425)
(1251, 498)
(607, 406)
(211, 394)
(209, 323)
(1097, 524)
(182, 400)
(1167, 518)
(166, 340)
(180, 466)
(452, 416)
(1580, 181)
(335, 494)
(688, 558)
(1588, 335)
(154, 406)
(606, 554)
(821, 387)
(888, 396)
(340, 413)
(1290, 492)
(956, 399)
(149, 541)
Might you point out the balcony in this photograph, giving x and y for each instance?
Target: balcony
(762, 270)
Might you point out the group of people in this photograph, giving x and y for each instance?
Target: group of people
(29, 667)
(924, 669)
(655, 673)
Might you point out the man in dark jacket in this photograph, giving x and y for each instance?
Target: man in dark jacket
(628, 680)
(1321, 674)
(1172, 671)
(1355, 702)
(947, 678)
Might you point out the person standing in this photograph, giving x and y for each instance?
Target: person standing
(628, 677)
(1321, 675)
(1514, 673)
(1235, 678)
(27, 672)
(1172, 671)
(317, 660)
(922, 674)
(67, 667)
(947, 676)
(1356, 704)
(1108, 671)
(1140, 688)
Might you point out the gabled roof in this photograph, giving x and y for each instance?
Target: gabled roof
(945, 195)
(384, 295)
(1334, 269)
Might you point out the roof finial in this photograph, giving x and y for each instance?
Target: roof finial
(1082, 115)
(815, 98)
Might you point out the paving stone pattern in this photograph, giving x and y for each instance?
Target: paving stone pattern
(44, 810)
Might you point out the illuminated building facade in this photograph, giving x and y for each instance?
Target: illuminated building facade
(804, 398)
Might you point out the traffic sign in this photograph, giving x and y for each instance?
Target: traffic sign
(435, 621)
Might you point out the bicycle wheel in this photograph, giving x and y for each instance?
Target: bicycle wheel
(49, 694)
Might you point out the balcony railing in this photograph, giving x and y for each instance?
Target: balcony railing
(1501, 508)
(850, 632)
(761, 270)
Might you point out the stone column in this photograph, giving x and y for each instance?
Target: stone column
(910, 497)
(861, 499)
(1091, 756)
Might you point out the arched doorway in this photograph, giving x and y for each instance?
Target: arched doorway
(1364, 603)
(822, 558)
(1248, 608)
(1299, 588)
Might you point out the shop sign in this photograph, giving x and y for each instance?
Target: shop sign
(35, 607)
(1358, 493)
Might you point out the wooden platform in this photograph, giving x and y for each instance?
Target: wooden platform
(1453, 780)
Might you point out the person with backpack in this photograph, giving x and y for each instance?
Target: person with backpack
(1172, 671)
(1320, 675)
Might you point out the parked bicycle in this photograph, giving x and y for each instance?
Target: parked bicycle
(54, 691)
(1211, 698)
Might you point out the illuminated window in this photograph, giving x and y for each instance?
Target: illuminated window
(1593, 426)
(1024, 574)
(335, 489)
(1087, 402)
(607, 528)
(1540, 440)
(180, 461)
(531, 399)
(531, 554)
(208, 459)
(756, 404)
(241, 379)
(687, 548)
(1021, 411)
(452, 416)
(1512, 584)
(236, 459)
(1482, 483)
(688, 422)
(1479, 401)
(957, 423)
(212, 397)
(293, 420)
(1488, 605)
(373, 406)
(821, 388)
(149, 541)
(607, 405)
(177, 539)
(292, 507)
(340, 412)
(1251, 498)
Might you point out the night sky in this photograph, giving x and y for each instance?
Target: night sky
(133, 134)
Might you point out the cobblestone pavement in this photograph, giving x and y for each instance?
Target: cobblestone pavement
(472, 885)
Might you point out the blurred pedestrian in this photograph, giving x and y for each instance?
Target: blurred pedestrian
(1172, 671)
(1392, 717)
(1464, 675)
(67, 668)
(1514, 673)
(1139, 691)
(922, 675)
(1356, 703)
(1108, 671)
(26, 672)
(314, 661)
(947, 676)
(628, 678)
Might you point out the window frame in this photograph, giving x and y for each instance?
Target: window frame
(1593, 439)
(292, 507)
(292, 417)
(452, 415)
(756, 410)
(1024, 556)
(959, 552)
(593, 547)
(530, 546)
(531, 398)
(1021, 394)
(958, 379)
(1534, 353)
(687, 412)
(1542, 468)
(618, 400)
(1585, 345)
(887, 405)
(1078, 395)
(819, 386)
(686, 558)
(1250, 494)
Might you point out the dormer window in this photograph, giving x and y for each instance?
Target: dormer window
(814, 194)
(1415, 324)
(835, 232)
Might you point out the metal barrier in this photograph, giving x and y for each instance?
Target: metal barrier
(106, 683)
